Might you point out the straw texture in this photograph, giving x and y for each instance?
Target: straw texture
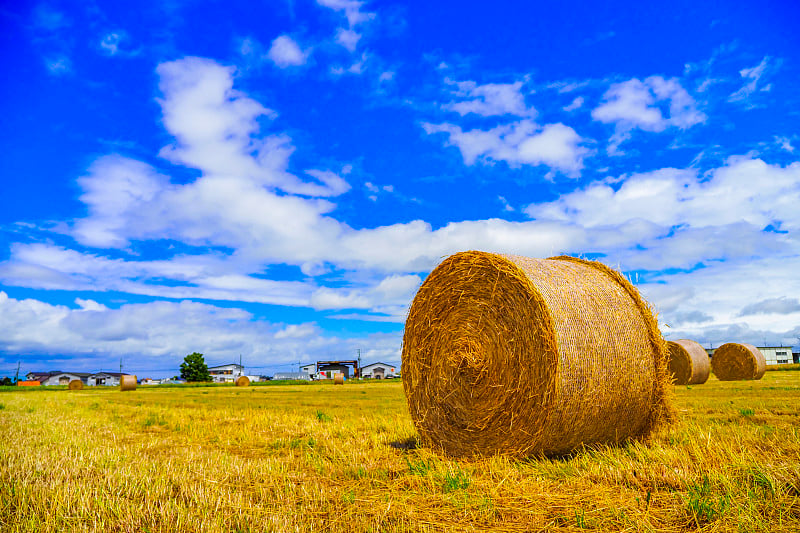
(127, 382)
(75, 384)
(734, 362)
(242, 381)
(689, 363)
(521, 356)
(338, 379)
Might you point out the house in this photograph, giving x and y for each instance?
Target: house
(226, 373)
(106, 379)
(149, 381)
(60, 378)
(291, 375)
(310, 369)
(379, 371)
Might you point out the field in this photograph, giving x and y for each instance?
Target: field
(323, 458)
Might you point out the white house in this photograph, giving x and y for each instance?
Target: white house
(379, 371)
(777, 355)
(63, 378)
(310, 369)
(226, 373)
(105, 379)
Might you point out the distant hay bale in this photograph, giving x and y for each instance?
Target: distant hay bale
(734, 362)
(242, 381)
(75, 384)
(338, 379)
(688, 362)
(127, 382)
(519, 356)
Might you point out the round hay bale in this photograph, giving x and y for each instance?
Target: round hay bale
(127, 382)
(75, 384)
(338, 379)
(519, 356)
(734, 362)
(688, 362)
(242, 381)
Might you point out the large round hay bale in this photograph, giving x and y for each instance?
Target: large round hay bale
(519, 356)
(75, 384)
(242, 381)
(338, 379)
(127, 382)
(734, 362)
(688, 362)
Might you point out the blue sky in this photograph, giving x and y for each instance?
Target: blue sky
(276, 180)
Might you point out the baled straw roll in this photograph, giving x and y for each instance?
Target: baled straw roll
(512, 355)
(688, 362)
(75, 384)
(242, 381)
(338, 379)
(734, 362)
(127, 382)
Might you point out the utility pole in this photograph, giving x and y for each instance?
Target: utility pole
(120, 365)
(241, 368)
(16, 376)
(359, 363)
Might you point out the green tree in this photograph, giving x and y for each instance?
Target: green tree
(6, 381)
(194, 368)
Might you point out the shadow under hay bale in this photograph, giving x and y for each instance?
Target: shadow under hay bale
(75, 384)
(688, 362)
(127, 382)
(512, 355)
(242, 381)
(338, 379)
(735, 362)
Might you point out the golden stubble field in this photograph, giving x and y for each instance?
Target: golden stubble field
(323, 458)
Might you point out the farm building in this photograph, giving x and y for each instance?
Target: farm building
(378, 371)
(291, 375)
(774, 355)
(104, 379)
(57, 377)
(225, 373)
(329, 369)
(310, 369)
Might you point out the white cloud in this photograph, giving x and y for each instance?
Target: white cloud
(351, 9)
(576, 104)
(653, 105)
(490, 99)
(753, 84)
(554, 145)
(785, 144)
(58, 65)
(348, 38)
(744, 190)
(285, 52)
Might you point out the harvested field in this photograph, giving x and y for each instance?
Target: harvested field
(322, 458)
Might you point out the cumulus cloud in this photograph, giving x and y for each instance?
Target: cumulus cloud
(490, 99)
(653, 105)
(522, 143)
(285, 52)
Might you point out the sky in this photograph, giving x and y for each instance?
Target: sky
(274, 180)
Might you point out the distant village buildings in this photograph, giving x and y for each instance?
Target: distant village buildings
(227, 373)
